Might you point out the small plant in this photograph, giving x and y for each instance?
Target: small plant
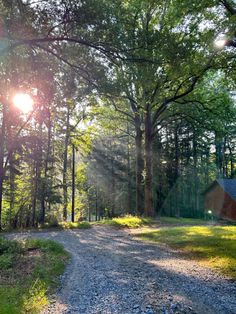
(9, 246)
(127, 222)
(6, 261)
(36, 299)
(34, 276)
(8, 252)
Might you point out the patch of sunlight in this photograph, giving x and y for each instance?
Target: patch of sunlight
(229, 228)
(36, 298)
(75, 225)
(127, 221)
(226, 265)
(205, 231)
(229, 237)
(212, 246)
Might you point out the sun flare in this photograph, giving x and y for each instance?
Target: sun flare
(23, 102)
(220, 43)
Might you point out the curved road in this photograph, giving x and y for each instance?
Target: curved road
(111, 272)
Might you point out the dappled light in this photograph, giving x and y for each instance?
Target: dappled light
(110, 269)
(118, 140)
(214, 246)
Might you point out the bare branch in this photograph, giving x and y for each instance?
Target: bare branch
(228, 6)
(177, 96)
(59, 57)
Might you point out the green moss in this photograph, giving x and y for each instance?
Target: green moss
(214, 246)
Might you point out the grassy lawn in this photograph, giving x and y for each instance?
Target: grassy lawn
(137, 222)
(126, 222)
(213, 246)
(181, 221)
(29, 271)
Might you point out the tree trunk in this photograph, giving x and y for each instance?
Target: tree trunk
(12, 187)
(73, 185)
(40, 176)
(35, 191)
(65, 161)
(218, 147)
(112, 187)
(176, 162)
(149, 207)
(2, 145)
(129, 187)
(231, 163)
(139, 173)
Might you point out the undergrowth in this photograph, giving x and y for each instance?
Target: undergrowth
(29, 272)
(127, 222)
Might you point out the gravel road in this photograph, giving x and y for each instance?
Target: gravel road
(111, 272)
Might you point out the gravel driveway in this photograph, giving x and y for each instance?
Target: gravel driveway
(111, 272)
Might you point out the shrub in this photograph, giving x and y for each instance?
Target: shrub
(6, 261)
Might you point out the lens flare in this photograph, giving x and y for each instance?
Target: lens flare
(220, 43)
(23, 102)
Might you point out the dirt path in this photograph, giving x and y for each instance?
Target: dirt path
(111, 272)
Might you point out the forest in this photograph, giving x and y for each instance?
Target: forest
(112, 107)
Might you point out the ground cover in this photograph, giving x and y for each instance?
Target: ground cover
(214, 246)
(29, 272)
(137, 222)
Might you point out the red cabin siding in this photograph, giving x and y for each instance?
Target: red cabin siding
(221, 203)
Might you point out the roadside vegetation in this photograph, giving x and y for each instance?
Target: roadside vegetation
(127, 222)
(130, 221)
(213, 246)
(55, 226)
(181, 221)
(75, 225)
(29, 272)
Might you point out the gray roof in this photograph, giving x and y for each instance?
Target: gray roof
(229, 186)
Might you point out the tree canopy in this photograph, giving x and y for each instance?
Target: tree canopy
(134, 107)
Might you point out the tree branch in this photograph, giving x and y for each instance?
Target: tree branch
(177, 96)
(228, 6)
(59, 57)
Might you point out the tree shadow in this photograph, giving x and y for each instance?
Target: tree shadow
(110, 272)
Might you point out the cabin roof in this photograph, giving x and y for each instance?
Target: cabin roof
(228, 185)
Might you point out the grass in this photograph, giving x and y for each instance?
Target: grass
(213, 246)
(137, 222)
(181, 221)
(56, 226)
(29, 272)
(75, 225)
(127, 222)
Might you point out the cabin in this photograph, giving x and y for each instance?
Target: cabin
(220, 198)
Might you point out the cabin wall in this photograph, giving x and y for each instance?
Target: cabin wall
(229, 209)
(220, 203)
(214, 200)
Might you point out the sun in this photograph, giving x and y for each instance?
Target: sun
(23, 102)
(220, 43)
